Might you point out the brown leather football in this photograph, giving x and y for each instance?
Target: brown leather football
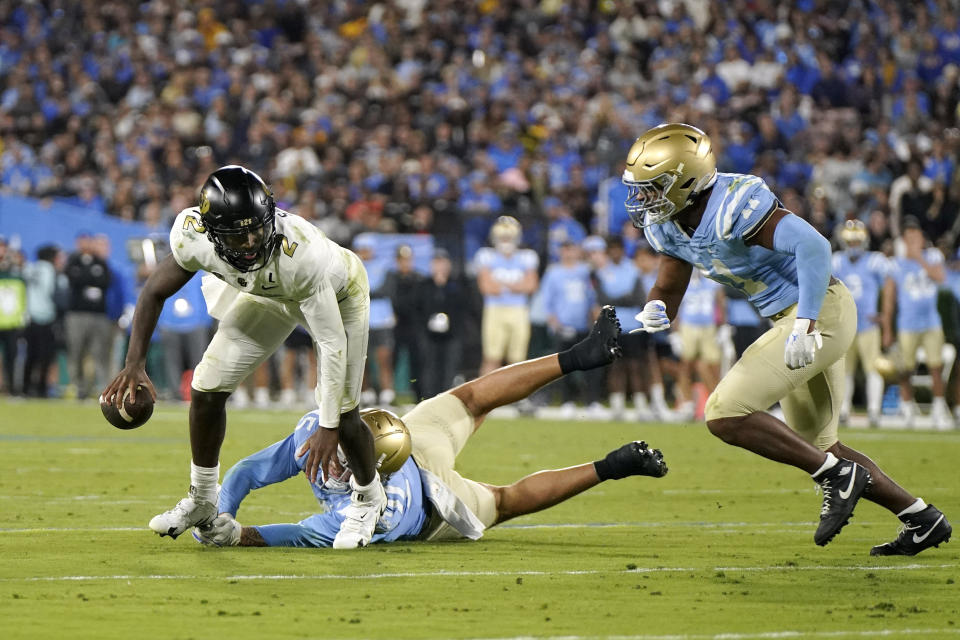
(132, 415)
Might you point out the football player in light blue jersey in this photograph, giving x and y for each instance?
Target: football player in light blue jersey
(507, 277)
(427, 498)
(656, 346)
(912, 287)
(570, 302)
(382, 321)
(617, 282)
(701, 312)
(733, 230)
(864, 273)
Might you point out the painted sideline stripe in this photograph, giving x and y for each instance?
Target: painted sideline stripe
(751, 636)
(474, 574)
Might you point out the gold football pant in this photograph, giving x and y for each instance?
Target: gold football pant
(810, 396)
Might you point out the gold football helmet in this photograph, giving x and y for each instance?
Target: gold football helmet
(506, 229)
(667, 167)
(391, 439)
(854, 232)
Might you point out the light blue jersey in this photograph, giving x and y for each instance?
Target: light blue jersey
(916, 293)
(403, 518)
(864, 276)
(620, 280)
(699, 305)
(507, 269)
(738, 206)
(741, 313)
(952, 282)
(568, 294)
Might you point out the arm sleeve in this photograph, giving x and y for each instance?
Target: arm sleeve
(274, 464)
(298, 535)
(322, 314)
(795, 236)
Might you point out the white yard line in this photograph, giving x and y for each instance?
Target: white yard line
(474, 574)
(773, 635)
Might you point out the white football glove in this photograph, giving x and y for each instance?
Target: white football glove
(223, 531)
(653, 317)
(801, 346)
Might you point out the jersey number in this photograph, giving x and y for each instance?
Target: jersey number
(287, 247)
(191, 221)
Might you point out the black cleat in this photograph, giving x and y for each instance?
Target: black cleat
(842, 486)
(599, 348)
(605, 334)
(632, 459)
(920, 531)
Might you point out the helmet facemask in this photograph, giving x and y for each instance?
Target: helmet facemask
(246, 248)
(647, 202)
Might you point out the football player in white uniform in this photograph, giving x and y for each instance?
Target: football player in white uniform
(270, 271)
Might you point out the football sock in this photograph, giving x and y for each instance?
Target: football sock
(204, 481)
(591, 352)
(827, 464)
(583, 356)
(364, 488)
(916, 507)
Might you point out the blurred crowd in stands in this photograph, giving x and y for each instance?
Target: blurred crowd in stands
(440, 117)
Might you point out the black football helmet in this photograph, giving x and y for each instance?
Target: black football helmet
(238, 212)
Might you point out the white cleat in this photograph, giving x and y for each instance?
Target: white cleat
(361, 516)
(192, 511)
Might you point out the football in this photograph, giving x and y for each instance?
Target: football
(132, 415)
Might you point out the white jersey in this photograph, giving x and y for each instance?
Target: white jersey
(307, 271)
(304, 262)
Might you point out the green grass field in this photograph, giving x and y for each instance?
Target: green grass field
(722, 545)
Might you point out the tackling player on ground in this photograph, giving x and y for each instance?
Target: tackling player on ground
(732, 228)
(270, 272)
(429, 500)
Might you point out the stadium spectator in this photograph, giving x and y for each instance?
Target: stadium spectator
(41, 279)
(13, 313)
(442, 300)
(403, 282)
(89, 329)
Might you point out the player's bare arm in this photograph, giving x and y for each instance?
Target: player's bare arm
(168, 278)
(528, 285)
(672, 281)
(487, 284)
(889, 305)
